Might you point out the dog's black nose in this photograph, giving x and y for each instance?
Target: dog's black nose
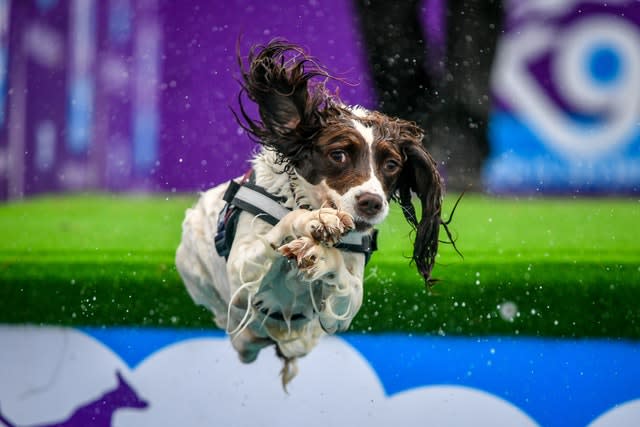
(368, 204)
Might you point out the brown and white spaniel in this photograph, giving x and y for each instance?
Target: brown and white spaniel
(280, 259)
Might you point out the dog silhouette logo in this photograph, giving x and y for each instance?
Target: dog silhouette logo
(98, 412)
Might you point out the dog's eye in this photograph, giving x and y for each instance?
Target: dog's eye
(391, 166)
(338, 156)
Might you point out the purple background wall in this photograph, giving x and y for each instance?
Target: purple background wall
(135, 94)
(201, 142)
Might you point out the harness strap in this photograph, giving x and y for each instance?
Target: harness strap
(355, 241)
(255, 200)
(249, 197)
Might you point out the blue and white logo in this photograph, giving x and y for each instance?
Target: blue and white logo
(568, 104)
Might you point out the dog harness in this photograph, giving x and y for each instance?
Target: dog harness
(249, 197)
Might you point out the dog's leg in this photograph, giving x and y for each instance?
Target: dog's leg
(252, 256)
(318, 260)
(248, 345)
(253, 253)
(325, 226)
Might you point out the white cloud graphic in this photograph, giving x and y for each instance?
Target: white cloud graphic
(200, 382)
(625, 415)
(336, 386)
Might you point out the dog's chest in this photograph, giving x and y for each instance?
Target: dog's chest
(283, 295)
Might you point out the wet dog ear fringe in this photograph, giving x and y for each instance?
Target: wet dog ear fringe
(292, 110)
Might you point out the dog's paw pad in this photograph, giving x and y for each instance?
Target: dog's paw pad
(323, 231)
(305, 252)
(296, 248)
(346, 221)
(329, 225)
(310, 262)
(306, 262)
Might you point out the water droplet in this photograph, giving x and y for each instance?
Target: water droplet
(508, 311)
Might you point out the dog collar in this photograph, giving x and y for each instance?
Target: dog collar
(249, 197)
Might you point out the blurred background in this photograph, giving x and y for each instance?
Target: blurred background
(135, 95)
(538, 324)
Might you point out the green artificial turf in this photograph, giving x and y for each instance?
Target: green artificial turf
(569, 267)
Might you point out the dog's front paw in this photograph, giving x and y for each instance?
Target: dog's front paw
(309, 256)
(328, 225)
(298, 250)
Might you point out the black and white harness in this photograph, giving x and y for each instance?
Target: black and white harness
(249, 197)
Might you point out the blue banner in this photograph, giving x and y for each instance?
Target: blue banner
(169, 377)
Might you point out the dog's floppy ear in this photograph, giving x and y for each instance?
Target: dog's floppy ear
(420, 176)
(277, 80)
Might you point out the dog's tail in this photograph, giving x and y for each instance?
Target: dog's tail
(5, 421)
(289, 368)
(288, 372)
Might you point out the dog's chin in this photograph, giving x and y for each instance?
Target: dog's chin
(362, 225)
